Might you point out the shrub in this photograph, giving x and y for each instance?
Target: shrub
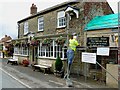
(58, 64)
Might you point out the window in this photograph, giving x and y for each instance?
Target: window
(61, 20)
(16, 50)
(23, 51)
(51, 51)
(25, 28)
(40, 24)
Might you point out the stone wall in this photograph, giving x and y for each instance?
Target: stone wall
(87, 11)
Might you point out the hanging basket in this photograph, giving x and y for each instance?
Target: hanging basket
(34, 43)
(17, 44)
(47, 42)
(60, 40)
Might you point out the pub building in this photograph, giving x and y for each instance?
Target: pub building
(102, 31)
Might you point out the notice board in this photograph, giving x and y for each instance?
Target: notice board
(89, 57)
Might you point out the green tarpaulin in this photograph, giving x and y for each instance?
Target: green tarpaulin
(100, 22)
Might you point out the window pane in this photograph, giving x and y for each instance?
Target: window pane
(40, 24)
(25, 27)
(61, 14)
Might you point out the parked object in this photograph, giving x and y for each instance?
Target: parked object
(13, 61)
(25, 62)
(43, 65)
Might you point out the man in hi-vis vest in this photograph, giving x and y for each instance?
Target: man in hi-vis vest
(73, 43)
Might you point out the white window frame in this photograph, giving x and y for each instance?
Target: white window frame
(40, 23)
(52, 53)
(25, 28)
(61, 19)
(16, 51)
(23, 51)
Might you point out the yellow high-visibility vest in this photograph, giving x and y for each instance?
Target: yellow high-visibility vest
(72, 44)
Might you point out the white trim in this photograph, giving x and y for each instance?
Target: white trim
(42, 57)
(61, 26)
(20, 55)
(61, 16)
(52, 51)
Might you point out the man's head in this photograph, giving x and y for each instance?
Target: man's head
(75, 37)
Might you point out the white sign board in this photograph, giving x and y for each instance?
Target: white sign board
(89, 57)
(103, 51)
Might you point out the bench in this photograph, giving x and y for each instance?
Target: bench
(43, 64)
(13, 61)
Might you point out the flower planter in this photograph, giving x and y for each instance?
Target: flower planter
(25, 62)
(34, 43)
(60, 40)
(59, 73)
(46, 42)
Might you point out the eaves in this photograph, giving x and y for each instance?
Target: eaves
(49, 10)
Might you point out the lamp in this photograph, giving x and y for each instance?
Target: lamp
(72, 11)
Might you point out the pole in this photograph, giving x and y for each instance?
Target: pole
(119, 45)
(68, 19)
(85, 67)
(68, 81)
(67, 29)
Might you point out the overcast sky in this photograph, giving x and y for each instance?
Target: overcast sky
(12, 11)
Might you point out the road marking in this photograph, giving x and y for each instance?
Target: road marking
(56, 82)
(15, 78)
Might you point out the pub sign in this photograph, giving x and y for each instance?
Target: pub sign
(98, 41)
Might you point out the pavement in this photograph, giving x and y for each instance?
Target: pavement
(36, 79)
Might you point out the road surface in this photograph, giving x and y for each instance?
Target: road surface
(6, 81)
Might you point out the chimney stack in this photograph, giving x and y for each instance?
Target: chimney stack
(5, 35)
(33, 9)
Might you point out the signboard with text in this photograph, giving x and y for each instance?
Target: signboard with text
(97, 41)
(89, 57)
(103, 51)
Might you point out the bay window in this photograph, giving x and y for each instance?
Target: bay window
(51, 51)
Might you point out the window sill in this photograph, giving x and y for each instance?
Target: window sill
(50, 58)
(21, 55)
(39, 31)
(61, 27)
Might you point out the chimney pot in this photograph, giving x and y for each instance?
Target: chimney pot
(33, 9)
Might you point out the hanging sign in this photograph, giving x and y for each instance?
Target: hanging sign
(103, 51)
(89, 57)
